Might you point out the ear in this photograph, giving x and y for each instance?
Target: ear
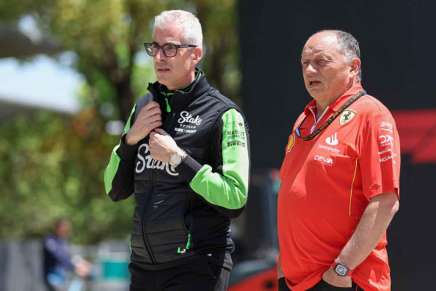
(197, 54)
(355, 66)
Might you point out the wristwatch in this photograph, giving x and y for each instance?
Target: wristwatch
(176, 158)
(341, 270)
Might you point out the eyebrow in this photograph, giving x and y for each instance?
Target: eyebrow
(326, 56)
(319, 55)
(170, 41)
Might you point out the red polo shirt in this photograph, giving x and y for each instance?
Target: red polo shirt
(327, 183)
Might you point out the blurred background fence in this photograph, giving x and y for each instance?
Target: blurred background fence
(21, 266)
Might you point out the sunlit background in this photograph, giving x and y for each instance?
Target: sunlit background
(70, 71)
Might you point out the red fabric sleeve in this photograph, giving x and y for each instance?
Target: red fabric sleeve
(380, 155)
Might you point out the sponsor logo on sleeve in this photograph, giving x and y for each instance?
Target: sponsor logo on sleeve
(235, 137)
(386, 143)
(237, 143)
(386, 140)
(386, 127)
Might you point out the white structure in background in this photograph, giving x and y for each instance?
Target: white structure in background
(40, 83)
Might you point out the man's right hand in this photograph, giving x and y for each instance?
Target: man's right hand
(148, 119)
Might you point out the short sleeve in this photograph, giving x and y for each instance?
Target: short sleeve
(380, 155)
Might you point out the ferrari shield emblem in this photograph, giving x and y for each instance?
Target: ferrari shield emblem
(346, 116)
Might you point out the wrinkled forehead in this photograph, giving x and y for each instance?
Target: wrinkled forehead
(321, 45)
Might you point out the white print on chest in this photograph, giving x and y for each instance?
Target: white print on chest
(186, 117)
(332, 140)
(323, 160)
(146, 161)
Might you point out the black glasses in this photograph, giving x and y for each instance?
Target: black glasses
(169, 49)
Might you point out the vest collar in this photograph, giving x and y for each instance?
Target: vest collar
(177, 100)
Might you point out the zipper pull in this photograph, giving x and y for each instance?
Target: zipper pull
(180, 250)
(168, 107)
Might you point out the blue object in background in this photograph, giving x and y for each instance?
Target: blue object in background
(114, 269)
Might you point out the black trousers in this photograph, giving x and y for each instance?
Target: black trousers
(201, 273)
(321, 286)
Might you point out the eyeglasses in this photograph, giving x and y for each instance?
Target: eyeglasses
(169, 49)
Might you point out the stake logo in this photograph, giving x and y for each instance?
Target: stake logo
(186, 117)
(146, 161)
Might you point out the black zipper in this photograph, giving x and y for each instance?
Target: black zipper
(144, 235)
(169, 126)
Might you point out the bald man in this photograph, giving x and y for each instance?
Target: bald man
(340, 177)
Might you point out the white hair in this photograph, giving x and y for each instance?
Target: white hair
(191, 27)
(348, 45)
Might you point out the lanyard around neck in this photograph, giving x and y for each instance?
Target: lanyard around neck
(330, 120)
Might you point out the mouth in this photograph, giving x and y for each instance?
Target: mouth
(162, 70)
(314, 83)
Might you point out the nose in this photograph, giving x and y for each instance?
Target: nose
(159, 55)
(309, 69)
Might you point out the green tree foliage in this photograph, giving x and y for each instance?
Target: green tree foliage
(52, 165)
(106, 35)
(52, 169)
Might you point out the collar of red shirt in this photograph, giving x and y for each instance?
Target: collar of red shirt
(336, 104)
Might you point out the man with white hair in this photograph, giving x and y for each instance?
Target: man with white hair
(184, 154)
(340, 177)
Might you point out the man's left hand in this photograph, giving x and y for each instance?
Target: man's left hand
(162, 145)
(331, 278)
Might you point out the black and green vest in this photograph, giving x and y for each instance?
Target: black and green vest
(172, 222)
